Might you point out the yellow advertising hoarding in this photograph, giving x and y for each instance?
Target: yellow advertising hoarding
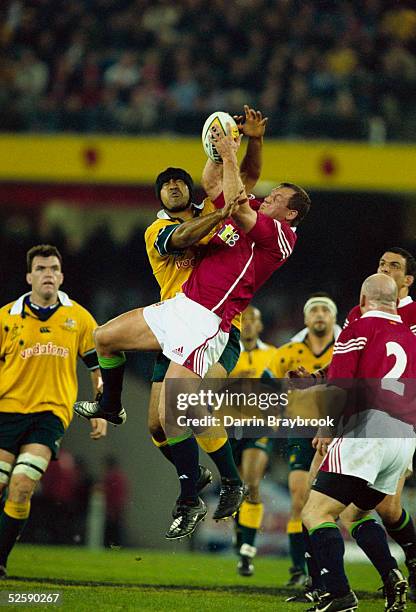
(122, 160)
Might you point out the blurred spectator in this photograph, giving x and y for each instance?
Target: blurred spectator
(116, 493)
(144, 65)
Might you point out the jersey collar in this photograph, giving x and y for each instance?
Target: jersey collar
(162, 214)
(405, 301)
(379, 314)
(18, 306)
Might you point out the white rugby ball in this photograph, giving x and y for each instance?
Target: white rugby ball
(219, 119)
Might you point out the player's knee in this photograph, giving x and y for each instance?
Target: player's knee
(28, 470)
(102, 339)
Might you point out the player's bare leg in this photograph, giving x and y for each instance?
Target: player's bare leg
(21, 474)
(253, 466)
(128, 332)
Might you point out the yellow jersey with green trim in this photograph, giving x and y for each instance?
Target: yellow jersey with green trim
(294, 354)
(257, 362)
(289, 357)
(172, 269)
(38, 358)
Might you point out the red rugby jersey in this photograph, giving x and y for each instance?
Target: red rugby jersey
(406, 310)
(235, 264)
(380, 348)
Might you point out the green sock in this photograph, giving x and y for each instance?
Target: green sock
(248, 535)
(224, 460)
(10, 529)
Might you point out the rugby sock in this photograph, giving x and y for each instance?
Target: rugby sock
(164, 449)
(403, 532)
(224, 461)
(296, 544)
(249, 519)
(311, 563)
(328, 546)
(185, 455)
(12, 520)
(372, 539)
(112, 372)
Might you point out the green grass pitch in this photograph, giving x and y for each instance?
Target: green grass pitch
(173, 581)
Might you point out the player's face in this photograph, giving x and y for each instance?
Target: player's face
(276, 204)
(319, 320)
(175, 195)
(46, 277)
(394, 265)
(251, 324)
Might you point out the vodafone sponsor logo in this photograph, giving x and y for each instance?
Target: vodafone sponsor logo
(186, 263)
(39, 349)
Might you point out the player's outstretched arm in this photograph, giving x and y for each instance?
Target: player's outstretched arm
(190, 232)
(253, 125)
(212, 179)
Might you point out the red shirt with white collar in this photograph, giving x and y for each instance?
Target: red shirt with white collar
(406, 310)
(236, 264)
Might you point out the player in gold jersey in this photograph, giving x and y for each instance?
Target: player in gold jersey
(257, 360)
(313, 351)
(41, 335)
(173, 250)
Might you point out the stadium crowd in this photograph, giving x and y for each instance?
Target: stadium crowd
(332, 68)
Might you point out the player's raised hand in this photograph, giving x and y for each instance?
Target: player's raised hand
(321, 444)
(232, 205)
(252, 123)
(225, 144)
(98, 429)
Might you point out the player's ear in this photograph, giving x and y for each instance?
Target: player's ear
(29, 278)
(291, 215)
(409, 280)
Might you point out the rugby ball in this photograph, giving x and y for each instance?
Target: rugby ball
(219, 119)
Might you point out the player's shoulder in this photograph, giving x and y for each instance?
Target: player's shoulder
(75, 308)
(291, 347)
(353, 315)
(5, 310)
(264, 346)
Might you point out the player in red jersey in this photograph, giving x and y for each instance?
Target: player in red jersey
(362, 471)
(192, 328)
(401, 266)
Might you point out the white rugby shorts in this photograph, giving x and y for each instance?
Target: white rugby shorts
(379, 461)
(189, 334)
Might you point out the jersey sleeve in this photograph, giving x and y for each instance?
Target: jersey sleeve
(161, 243)
(346, 355)
(86, 347)
(273, 235)
(353, 315)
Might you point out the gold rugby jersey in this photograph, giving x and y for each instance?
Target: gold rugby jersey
(289, 357)
(171, 270)
(262, 359)
(294, 354)
(38, 359)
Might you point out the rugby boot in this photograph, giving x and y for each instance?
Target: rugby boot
(329, 603)
(298, 578)
(187, 520)
(245, 565)
(411, 566)
(93, 410)
(204, 478)
(231, 498)
(395, 589)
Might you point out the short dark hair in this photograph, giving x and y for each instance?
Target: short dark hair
(299, 201)
(408, 257)
(320, 294)
(41, 250)
(176, 174)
